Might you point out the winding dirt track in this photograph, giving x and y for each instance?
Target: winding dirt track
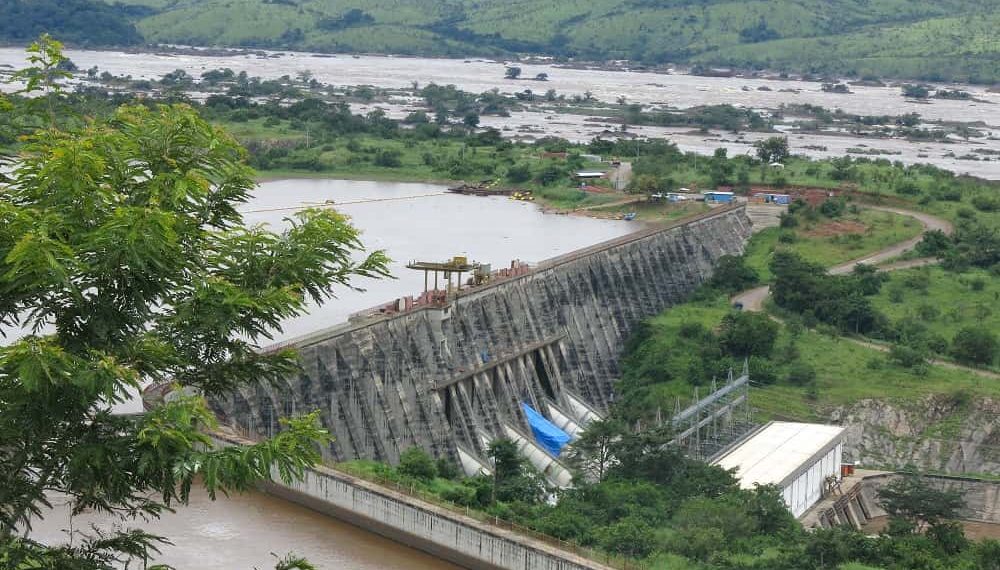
(753, 299)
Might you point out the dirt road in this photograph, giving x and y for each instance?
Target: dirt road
(753, 299)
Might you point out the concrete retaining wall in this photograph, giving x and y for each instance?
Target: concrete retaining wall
(859, 504)
(442, 533)
(440, 378)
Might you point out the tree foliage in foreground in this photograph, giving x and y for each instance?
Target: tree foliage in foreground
(124, 260)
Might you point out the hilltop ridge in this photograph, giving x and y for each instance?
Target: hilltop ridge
(918, 39)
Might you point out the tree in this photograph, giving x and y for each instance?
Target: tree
(471, 120)
(631, 537)
(720, 168)
(913, 499)
(748, 334)
(512, 72)
(772, 149)
(513, 480)
(916, 91)
(644, 184)
(125, 261)
(592, 452)
(732, 274)
(416, 463)
(975, 345)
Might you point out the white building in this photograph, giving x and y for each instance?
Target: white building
(796, 457)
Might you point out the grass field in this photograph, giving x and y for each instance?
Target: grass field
(944, 301)
(846, 372)
(818, 244)
(913, 38)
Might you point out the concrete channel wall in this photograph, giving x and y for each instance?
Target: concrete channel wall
(859, 503)
(445, 534)
(453, 377)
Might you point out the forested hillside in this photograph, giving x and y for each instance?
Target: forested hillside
(923, 39)
(79, 22)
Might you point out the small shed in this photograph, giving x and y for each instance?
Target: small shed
(718, 197)
(772, 198)
(797, 457)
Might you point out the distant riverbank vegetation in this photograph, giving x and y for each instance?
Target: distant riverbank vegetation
(924, 39)
(299, 126)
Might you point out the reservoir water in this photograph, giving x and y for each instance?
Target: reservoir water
(422, 222)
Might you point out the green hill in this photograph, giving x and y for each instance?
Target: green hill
(923, 39)
(80, 22)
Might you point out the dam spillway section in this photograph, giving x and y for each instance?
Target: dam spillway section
(451, 373)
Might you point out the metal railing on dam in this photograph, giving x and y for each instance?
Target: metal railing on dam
(443, 376)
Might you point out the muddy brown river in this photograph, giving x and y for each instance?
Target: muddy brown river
(249, 531)
(675, 89)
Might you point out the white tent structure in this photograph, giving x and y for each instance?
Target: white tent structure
(796, 457)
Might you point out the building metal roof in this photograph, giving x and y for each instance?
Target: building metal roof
(779, 452)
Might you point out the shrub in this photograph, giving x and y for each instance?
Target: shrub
(762, 371)
(974, 345)
(446, 469)
(631, 536)
(416, 463)
(800, 374)
(519, 173)
(788, 220)
(896, 295)
(732, 274)
(928, 312)
(985, 203)
(934, 244)
(907, 356)
(692, 329)
(747, 334)
(833, 208)
(460, 495)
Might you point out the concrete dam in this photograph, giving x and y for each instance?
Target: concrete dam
(452, 376)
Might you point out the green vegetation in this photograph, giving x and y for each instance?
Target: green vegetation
(125, 262)
(831, 241)
(678, 350)
(939, 40)
(933, 305)
(80, 22)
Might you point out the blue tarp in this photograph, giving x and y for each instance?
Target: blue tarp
(546, 433)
